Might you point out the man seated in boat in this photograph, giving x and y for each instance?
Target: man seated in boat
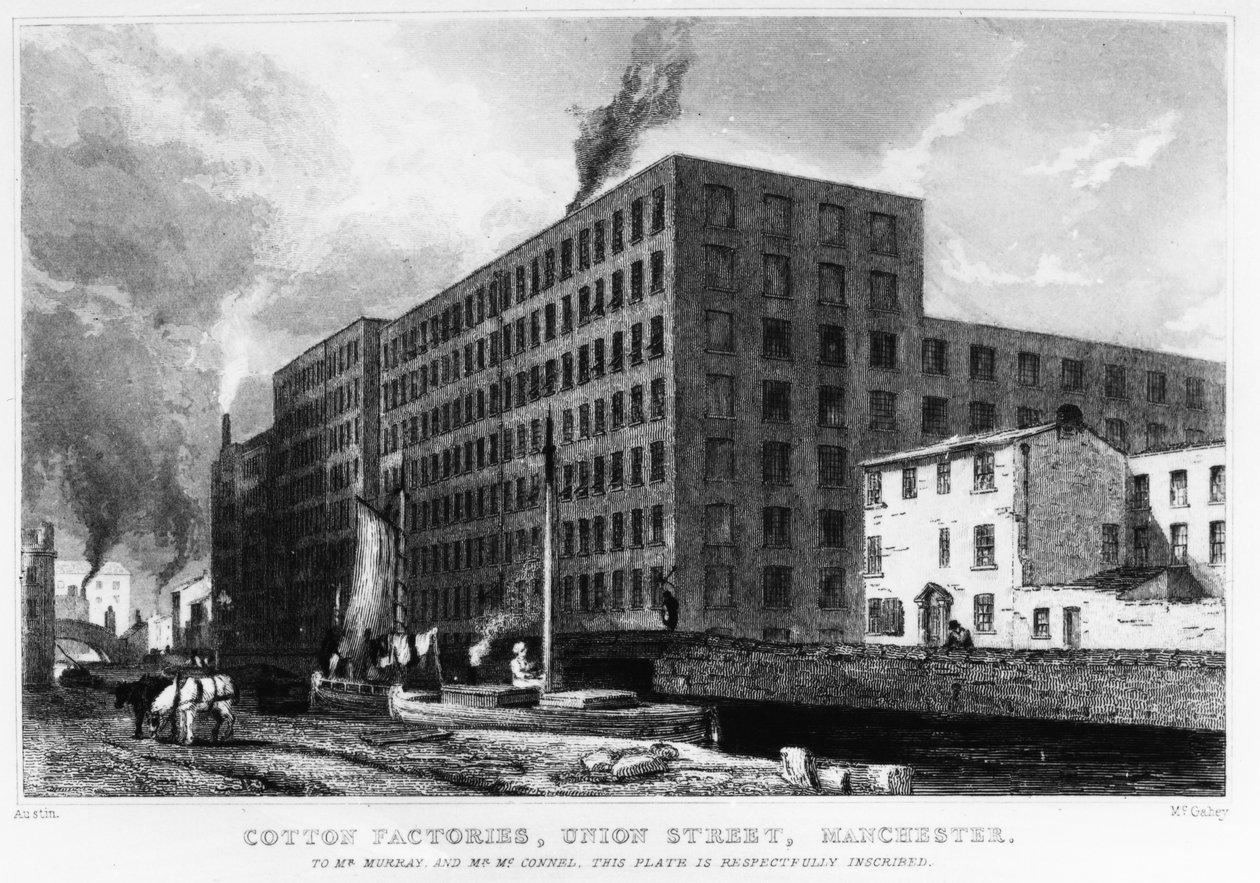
(524, 672)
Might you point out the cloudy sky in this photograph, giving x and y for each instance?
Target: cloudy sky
(202, 202)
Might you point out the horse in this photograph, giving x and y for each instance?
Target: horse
(212, 693)
(140, 695)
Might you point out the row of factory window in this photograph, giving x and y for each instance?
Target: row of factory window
(308, 415)
(776, 462)
(776, 527)
(983, 366)
(983, 417)
(600, 591)
(1178, 488)
(587, 592)
(776, 338)
(1158, 435)
(583, 478)
(777, 587)
(343, 475)
(579, 367)
(513, 338)
(776, 400)
(344, 435)
(344, 398)
(542, 275)
(592, 420)
(721, 274)
(457, 602)
(473, 504)
(471, 553)
(342, 359)
(636, 588)
(484, 452)
(580, 480)
(777, 217)
(632, 529)
(586, 536)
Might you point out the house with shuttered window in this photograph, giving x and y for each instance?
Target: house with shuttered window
(1046, 538)
(954, 530)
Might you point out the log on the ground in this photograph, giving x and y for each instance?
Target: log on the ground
(835, 779)
(892, 779)
(799, 768)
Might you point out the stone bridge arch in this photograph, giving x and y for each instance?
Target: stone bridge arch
(107, 645)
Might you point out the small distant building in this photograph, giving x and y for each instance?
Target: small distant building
(1043, 538)
(105, 600)
(193, 610)
(39, 555)
(136, 637)
(159, 626)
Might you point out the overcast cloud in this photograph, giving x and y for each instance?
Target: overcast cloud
(211, 199)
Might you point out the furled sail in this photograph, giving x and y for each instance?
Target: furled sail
(371, 590)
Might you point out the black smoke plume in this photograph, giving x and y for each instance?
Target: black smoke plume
(660, 56)
(128, 259)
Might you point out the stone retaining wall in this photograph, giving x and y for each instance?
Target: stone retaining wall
(1183, 689)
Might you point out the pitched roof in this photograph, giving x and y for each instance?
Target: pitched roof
(1117, 579)
(959, 442)
(75, 565)
(1180, 446)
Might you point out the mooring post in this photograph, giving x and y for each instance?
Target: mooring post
(175, 710)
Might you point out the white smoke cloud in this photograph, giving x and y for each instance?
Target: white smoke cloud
(1050, 271)
(1096, 159)
(904, 168)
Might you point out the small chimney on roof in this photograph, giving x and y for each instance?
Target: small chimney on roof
(1069, 420)
(227, 430)
(1069, 416)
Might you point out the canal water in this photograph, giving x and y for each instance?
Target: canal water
(961, 756)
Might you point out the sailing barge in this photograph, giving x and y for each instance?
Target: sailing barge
(375, 607)
(612, 713)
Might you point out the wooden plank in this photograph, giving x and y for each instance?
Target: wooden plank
(407, 737)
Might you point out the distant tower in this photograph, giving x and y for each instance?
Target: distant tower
(39, 615)
(227, 430)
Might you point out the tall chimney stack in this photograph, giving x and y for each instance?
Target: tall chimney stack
(227, 430)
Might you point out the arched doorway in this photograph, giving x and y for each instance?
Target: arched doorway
(935, 604)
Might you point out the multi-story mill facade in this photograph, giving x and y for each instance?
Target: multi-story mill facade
(283, 501)
(718, 347)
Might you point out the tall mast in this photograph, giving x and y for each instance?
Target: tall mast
(400, 547)
(549, 503)
(399, 569)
